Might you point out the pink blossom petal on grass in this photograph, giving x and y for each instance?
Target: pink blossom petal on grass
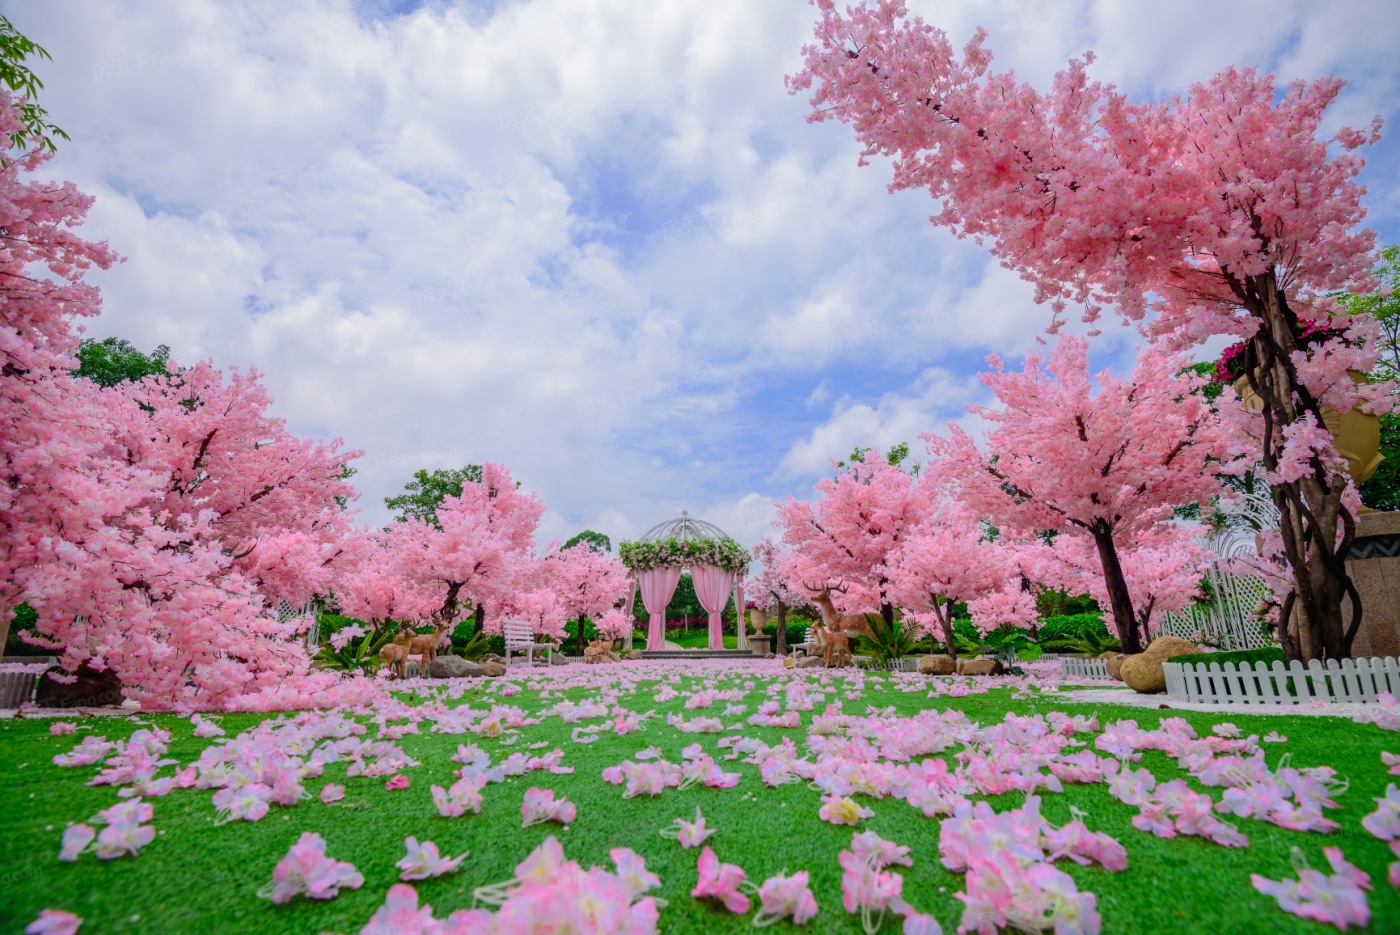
(306, 870)
(76, 838)
(782, 896)
(59, 728)
(54, 922)
(332, 793)
(720, 882)
(396, 783)
(423, 861)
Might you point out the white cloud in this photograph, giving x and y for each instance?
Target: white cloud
(593, 239)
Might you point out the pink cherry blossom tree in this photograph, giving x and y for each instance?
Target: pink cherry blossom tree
(773, 588)
(1106, 465)
(486, 541)
(588, 583)
(946, 562)
(865, 513)
(1162, 568)
(1218, 212)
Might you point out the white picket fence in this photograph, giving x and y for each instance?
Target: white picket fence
(1073, 667)
(1356, 681)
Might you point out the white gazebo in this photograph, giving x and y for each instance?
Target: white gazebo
(713, 584)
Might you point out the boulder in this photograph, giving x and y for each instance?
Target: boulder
(1113, 663)
(493, 669)
(491, 657)
(1143, 672)
(979, 666)
(558, 659)
(937, 665)
(92, 689)
(790, 661)
(613, 657)
(452, 667)
(811, 662)
(635, 654)
(768, 656)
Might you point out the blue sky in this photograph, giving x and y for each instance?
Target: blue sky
(594, 240)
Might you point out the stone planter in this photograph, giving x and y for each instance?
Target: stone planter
(1356, 434)
(759, 644)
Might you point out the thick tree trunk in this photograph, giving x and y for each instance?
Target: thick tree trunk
(945, 623)
(448, 612)
(1124, 621)
(479, 619)
(582, 620)
(1311, 507)
(782, 629)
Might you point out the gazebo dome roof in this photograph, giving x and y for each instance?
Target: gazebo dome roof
(683, 527)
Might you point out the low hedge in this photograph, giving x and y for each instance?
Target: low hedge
(1269, 655)
(1068, 627)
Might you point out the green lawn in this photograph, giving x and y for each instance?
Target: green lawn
(198, 878)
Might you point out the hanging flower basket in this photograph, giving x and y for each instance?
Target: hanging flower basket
(684, 553)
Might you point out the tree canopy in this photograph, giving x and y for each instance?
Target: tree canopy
(116, 360)
(596, 541)
(423, 494)
(15, 47)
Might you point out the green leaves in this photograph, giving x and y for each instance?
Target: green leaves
(116, 360)
(425, 493)
(15, 47)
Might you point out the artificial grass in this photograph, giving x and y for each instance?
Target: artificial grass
(198, 878)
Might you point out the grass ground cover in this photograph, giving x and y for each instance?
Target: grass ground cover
(197, 877)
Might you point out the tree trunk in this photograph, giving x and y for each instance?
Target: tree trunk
(581, 621)
(1310, 507)
(782, 629)
(448, 612)
(480, 619)
(945, 623)
(1124, 621)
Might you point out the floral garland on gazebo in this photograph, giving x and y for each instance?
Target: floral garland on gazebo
(683, 553)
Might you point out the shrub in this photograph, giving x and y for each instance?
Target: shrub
(1270, 655)
(1069, 626)
(796, 632)
(25, 619)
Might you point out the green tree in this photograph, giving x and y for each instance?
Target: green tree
(14, 49)
(1386, 309)
(1382, 491)
(115, 360)
(425, 492)
(596, 541)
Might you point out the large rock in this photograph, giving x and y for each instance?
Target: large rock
(452, 667)
(558, 659)
(92, 689)
(1113, 663)
(811, 662)
(979, 667)
(491, 657)
(790, 661)
(937, 665)
(635, 654)
(493, 669)
(1143, 672)
(613, 657)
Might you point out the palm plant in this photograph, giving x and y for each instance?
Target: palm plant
(893, 640)
(1086, 644)
(359, 652)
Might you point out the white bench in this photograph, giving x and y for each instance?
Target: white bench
(521, 639)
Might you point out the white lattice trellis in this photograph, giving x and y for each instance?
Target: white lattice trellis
(1229, 621)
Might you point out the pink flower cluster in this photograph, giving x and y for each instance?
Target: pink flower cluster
(125, 832)
(1010, 881)
(1338, 899)
(540, 805)
(306, 870)
(720, 882)
(551, 894)
(1384, 823)
(689, 833)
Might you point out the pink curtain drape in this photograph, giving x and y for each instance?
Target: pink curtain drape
(743, 642)
(657, 586)
(627, 610)
(712, 587)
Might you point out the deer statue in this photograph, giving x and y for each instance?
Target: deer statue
(427, 644)
(834, 620)
(394, 655)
